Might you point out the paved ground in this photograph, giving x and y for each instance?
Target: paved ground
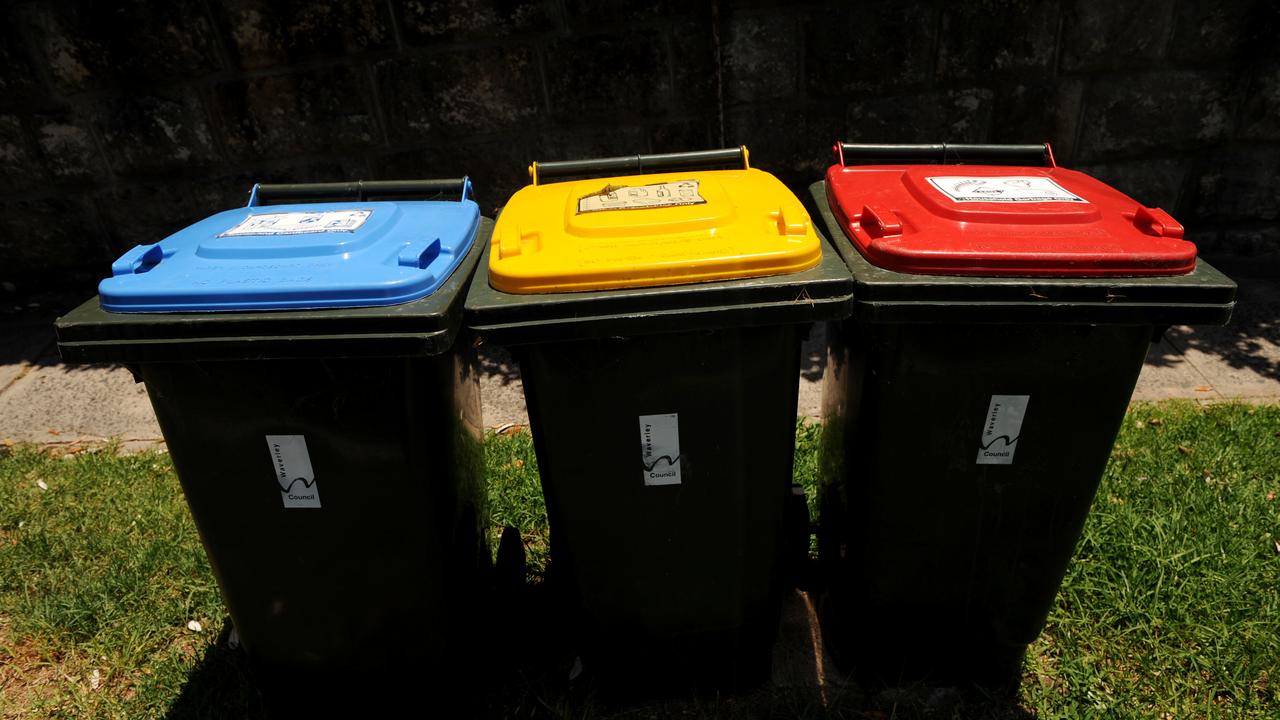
(43, 401)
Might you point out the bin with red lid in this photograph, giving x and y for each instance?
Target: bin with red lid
(1003, 310)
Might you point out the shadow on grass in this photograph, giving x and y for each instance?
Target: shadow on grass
(219, 687)
(527, 667)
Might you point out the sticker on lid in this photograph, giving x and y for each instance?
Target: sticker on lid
(1007, 189)
(300, 223)
(639, 197)
(660, 448)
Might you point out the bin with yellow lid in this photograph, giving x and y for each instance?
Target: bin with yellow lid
(656, 305)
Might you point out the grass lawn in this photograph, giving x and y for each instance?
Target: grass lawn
(1170, 610)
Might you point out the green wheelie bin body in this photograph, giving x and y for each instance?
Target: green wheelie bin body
(663, 417)
(327, 442)
(969, 415)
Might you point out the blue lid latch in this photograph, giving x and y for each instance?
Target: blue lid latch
(419, 253)
(139, 259)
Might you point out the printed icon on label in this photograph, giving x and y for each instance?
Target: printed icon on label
(640, 197)
(660, 449)
(295, 478)
(1002, 429)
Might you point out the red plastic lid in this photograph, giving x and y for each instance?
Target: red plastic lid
(1003, 221)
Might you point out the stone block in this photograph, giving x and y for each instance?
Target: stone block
(316, 111)
(52, 240)
(1260, 116)
(683, 135)
(151, 133)
(17, 78)
(20, 167)
(942, 116)
(221, 192)
(761, 57)
(456, 94)
(869, 48)
(1154, 183)
(1250, 242)
(1016, 38)
(497, 168)
(793, 143)
(144, 213)
(594, 13)
(568, 142)
(1102, 35)
(264, 33)
(1126, 114)
(620, 76)
(425, 22)
(1206, 32)
(1244, 252)
(1239, 184)
(695, 68)
(67, 144)
(91, 45)
(1034, 112)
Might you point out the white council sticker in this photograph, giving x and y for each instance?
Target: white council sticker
(636, 197)
(1005, 189)
(294, 477)
(300, 223)
(660, 449)
(1001, 429)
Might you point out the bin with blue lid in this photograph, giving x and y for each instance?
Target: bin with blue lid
(302, 357)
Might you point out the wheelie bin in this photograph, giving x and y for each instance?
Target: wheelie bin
(323, 422)
(656, 306)
(1003, 310)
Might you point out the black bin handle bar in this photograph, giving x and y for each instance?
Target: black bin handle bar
(640, 164)
(360, 190)
(943, 154)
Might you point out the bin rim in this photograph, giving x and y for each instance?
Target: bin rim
(1202, 297)
(427, 326)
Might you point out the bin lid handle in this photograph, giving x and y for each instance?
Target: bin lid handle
(738, 157)
(361, 190)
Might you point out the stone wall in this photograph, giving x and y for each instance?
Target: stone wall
(121, 122)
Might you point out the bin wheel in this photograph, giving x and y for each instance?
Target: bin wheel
(510, 567)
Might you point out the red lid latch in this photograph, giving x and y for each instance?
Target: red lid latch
(1155, 221)
(879, 221)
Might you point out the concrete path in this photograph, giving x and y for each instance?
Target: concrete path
(43, 401)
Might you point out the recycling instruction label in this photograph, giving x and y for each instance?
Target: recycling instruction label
(638, 197)
(300, 223)
(1003, 189)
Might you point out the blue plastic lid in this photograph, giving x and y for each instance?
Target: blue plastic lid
(296, 256)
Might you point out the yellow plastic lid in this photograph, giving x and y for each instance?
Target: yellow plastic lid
(665, 228)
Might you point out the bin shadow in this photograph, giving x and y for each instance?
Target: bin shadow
(219, 686)
(527, 667)
(27, 336)
(496, 361)
(1251, 341)
(813, 353)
